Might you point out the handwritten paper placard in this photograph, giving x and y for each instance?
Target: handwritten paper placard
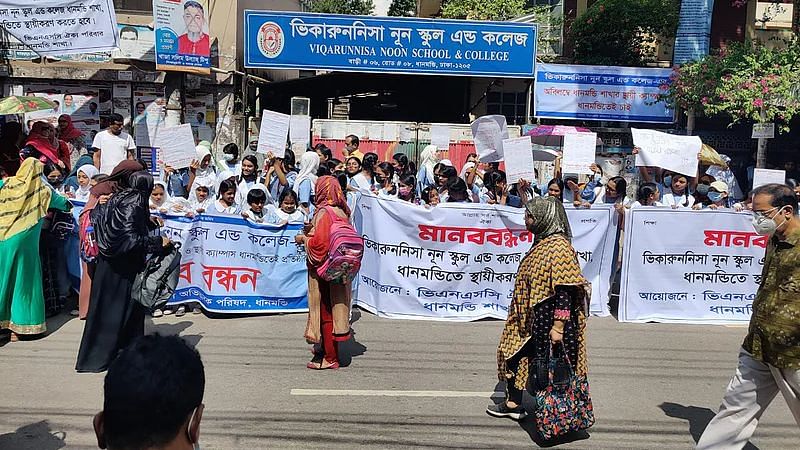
(518, 156)
(488, 133)
(440, 136)
(177, 146)
(768, 176)
(579, 152)
(300, 130)
(668, 151)
(273, 132)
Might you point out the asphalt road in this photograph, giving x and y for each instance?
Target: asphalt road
(653, 386)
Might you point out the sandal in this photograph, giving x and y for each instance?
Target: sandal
(319, 365)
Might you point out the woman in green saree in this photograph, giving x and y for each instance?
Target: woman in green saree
(24, 201)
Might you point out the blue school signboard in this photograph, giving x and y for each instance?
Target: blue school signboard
(290, 40)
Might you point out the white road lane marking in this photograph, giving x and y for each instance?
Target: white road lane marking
(394, 393)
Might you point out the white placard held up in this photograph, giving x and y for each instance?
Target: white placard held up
(488, 133)
(177, 146)
(273, 132)
(519, 159)
(579, 152)
(668, 151)
(767, 176)
(440, 136)
(300, 130)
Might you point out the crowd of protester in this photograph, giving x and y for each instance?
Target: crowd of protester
(278, 189)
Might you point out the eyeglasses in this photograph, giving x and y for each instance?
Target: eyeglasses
(764, 213)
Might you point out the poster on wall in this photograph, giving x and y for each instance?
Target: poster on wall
(200, 115)
(135, 42)
(149, 112)
(81, 103)
(182, 40)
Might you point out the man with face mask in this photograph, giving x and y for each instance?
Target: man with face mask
(153, 397)
(769, 360)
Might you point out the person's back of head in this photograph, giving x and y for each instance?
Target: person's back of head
(456, 190)
(153, 396)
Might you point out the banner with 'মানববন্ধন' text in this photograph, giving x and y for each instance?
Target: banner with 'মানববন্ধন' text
(458, 262)
(229, 264)
(687, 266)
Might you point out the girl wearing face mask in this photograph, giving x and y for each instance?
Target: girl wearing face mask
(287, 211)
(678, 195)
(226, 198)
(717, 196)
(384, 186)
(405, 188)
(402, 166)
(593, 188)
(230, 159)
(55, 230)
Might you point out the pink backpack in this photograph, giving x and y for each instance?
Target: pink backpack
(88, 244)
(345, 252)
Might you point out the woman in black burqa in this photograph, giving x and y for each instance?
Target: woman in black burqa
(122, 229)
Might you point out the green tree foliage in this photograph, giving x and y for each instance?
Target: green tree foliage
(403, 8)
(351, 7)
(623, 32)
(483, 9)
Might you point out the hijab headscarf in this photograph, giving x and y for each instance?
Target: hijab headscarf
(24, 199)
(82, 193)
(123, 222)
(549, 218)
(166, 201)
(69, 132)
(203, 177)
(118, 179)
(428, 159)
(309, 164)
(46, 146)
(328, 192)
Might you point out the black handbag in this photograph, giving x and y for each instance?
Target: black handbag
(154, 286)
(539, 370)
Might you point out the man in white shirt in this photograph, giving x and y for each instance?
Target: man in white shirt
(112, 146)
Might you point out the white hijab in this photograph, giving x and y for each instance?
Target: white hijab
(428, 159)
(309, 164)
(203, 177)
(166, 201)
(82, 194)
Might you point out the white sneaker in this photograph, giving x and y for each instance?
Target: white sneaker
(181, 311)
(168, 311)
(158, 313)
(196, 310)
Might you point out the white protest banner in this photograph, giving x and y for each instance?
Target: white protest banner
(706, 272)
(518, 157)
(488, 133)
(668, 151)
(177, 146)
(300, 130)
(229, 265)
(767, 176)
(273, 132)
(579, 152)
(61, 27)
(440, 136)
(463, 267)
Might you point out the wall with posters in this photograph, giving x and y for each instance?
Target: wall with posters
(688, 266)
(627, 94)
